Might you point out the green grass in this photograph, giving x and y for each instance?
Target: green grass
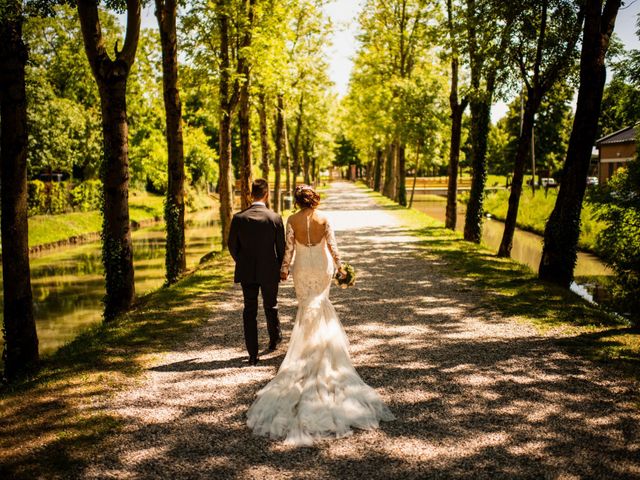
(427, 197)
(534, 211)
(51, 425)
(45, 229)
(513, 290)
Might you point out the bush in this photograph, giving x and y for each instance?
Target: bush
(57, 197)
(36, 199)
(86, 196)
(617, 204)
(49, 198)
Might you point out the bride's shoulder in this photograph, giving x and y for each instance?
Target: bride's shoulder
(293, 217)
(322, 218)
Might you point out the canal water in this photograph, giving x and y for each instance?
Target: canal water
(527, 249)
(68, 283)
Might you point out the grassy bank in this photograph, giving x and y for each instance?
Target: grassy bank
(51, 423)
(535, 210)
(46, 229)
(513, 290)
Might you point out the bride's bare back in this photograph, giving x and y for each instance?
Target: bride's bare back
(317, 226)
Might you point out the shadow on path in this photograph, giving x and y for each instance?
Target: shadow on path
(476, 393)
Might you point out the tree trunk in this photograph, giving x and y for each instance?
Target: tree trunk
(277, 165)
(287, 156)
(402, 176)
(111, 77)
(454, 161)
(480, 118)
(415, 174)
(227, 103)
(264, 136)
(20, 337)
(522, 154)
(559, 253)
(306, 162)
(457, 110)
(377, 169)
(117, 248)
(244, 113)
(244, 121)
(296, 143)
(389, 187)
(175, 259)
(314, 170)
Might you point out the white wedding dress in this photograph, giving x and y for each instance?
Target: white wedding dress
(317, 391)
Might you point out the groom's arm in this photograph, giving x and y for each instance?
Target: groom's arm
(280, 244)
(233, 243)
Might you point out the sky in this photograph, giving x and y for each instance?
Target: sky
(343, 46)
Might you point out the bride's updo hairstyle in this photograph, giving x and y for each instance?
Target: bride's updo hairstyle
(306, 197)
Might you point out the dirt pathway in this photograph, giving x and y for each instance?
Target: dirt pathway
(475, 395)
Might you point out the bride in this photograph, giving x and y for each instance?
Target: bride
(316, 392)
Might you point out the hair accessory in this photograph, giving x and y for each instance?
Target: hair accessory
(301, 188)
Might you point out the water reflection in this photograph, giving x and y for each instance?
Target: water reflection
(68, 285)
(527, 247)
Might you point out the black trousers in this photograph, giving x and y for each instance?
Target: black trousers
(250, 313)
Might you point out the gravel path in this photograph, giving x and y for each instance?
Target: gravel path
(476, 395)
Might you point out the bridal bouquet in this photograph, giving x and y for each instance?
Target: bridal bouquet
(346, 280)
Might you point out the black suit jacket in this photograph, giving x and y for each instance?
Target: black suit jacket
(256, 243)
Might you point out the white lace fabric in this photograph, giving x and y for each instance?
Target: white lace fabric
(317, 391)
(290, 246)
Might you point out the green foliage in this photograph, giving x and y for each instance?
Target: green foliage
(65, 132)
(620, 105)
(57, 197)
(535, 210)
(552, 129)
(200, 160)
(398, 88)
(345, 152)
(60, 197)
(36, 199)
(617, 205)
(86, 196)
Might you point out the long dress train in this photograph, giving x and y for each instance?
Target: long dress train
(317, 391)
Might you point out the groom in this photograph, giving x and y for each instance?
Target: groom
(256, 243)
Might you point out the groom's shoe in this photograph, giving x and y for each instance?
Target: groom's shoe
(253, 360)
(273, 344)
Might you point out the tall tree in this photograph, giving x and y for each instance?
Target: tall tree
(277, 162)
(244, 109)
(296, 141)
(264, 135)
(111, 77)
(559, 253)
(228, 93)
(486, 45)
(394, 38)
(21, 340)
(457, 110)
(175, 259)
(542, 62)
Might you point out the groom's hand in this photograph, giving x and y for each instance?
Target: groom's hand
(284, 276)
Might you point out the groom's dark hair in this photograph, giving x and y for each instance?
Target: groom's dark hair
(259, 188)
